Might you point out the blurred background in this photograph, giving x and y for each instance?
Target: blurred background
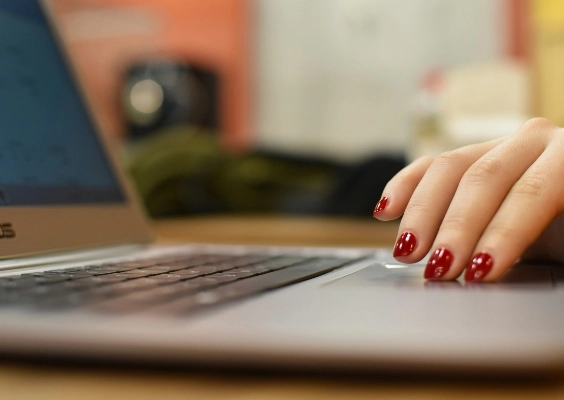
(306, 106)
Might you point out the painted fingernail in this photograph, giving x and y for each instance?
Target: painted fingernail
(380, 206)
(479, 267)
(439, 263)
(405, 244)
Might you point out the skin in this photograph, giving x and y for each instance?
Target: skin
(504, 197)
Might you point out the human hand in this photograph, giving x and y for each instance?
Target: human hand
(483, 206)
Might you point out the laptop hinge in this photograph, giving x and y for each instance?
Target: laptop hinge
(45, 260)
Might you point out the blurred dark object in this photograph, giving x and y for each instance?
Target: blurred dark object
(360, 185)
(184, 170)
(157, 94)
(267, 181)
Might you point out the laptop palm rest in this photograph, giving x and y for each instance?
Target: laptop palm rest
(521, 276)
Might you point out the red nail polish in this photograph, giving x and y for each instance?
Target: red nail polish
(380, 206)
(439, 263)
(405, 244)
(479, 267)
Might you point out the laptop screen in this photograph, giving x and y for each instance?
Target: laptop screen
(49, 150)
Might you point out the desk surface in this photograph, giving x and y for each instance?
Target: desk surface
(34, 380)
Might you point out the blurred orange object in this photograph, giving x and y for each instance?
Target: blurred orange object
(104, 36)
(519, 25)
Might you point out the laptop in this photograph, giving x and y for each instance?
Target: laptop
(80, 278)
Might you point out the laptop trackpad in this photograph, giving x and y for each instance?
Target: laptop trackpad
(411, 276)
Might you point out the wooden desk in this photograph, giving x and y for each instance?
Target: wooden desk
(279, 230)
(52, 380)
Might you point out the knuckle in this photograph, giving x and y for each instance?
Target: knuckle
(424, 160)
(454, 222)
(417, 206)
(482, 169)
(451, 155)
(531, 185)
(499, 233)
(537, 124)
(558, 140)
(536, 132)
(445, 161)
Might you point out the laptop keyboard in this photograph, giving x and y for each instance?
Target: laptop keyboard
(163, 286)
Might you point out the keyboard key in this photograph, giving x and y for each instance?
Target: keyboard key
(166, 278)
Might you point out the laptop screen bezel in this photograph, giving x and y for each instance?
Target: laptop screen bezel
(31, 230)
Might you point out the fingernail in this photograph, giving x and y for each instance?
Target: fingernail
(439, 264)
(380, 206)
(479, 267)
(405, 244)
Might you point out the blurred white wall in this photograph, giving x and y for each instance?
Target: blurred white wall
(337, 78)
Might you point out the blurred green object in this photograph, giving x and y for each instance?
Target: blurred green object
(174, 170)
(184, 170)
(269, 182)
